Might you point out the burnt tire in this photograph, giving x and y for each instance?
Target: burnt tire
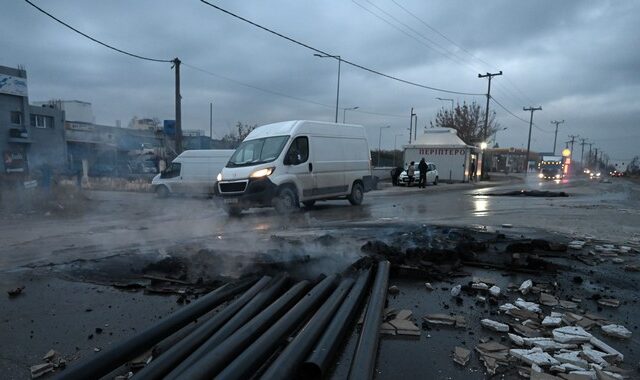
(286, 201)
(309, 204)
(162, 191)
(357, 194)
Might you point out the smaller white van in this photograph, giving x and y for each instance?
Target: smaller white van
(282, 164)
(193, 172)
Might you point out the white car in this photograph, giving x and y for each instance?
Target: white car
(432, 175)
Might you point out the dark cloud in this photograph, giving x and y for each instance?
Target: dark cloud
(577, 59)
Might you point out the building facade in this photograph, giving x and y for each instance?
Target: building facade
(32, 138)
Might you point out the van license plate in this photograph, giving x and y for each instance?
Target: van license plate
(231, 200)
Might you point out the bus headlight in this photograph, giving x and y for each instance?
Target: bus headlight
(262, 173)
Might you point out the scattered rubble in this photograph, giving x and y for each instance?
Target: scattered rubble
(39, 370)
(526, 287)
(444, 319)
(399, 323)
(461, 355)
(455, 291)
(571, 334)
(617, 331)
(493, 325)
(494, 291)
(15, 292)
(610, 302)
(428, 286)
(534, 356)
(393, 290)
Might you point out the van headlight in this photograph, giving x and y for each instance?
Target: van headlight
(541, 175)
(262, 173)
(219, 177)
(558, 176)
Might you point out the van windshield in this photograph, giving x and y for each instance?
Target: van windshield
(257, 151)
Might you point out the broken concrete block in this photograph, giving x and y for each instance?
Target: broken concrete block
(494, 291)
(547, 344)
(571, 334)
(481, 299)
(606, 375)
(602, 346)
(455, 291)
(530, 306)
(534, 375)
(534, 356)
(567, 304)
(617, 331)
(507, 307)
(572, 358)
(610, 302)
(50, 355)
(595, 356)
(405, 327)
(523, 314)
(490, 364)
(548, 300)
(580, 375)
(549, 321)
(404, 314)
(586, 323)
(461, 355)
(525, 287)
(393, 290)
(444, 319)
(387, 329)
(571, 318)
(493, 325)
(479, 286)
(516, 339)
(428, 286)
(40, 370)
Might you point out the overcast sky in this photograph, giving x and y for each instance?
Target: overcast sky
(578, 60)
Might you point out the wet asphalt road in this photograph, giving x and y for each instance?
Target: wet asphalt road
(52, 312)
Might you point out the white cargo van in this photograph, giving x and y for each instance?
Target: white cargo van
(283, 164)
(192, 172)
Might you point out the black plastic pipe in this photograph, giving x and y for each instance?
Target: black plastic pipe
(215, 360)
(166, 362)
(246, 364)
(286, 365)
(319, 360)
(364, 359)
(257, 304)
(108, 360)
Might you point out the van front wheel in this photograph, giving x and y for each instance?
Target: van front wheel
(357, 194)
(286, 201)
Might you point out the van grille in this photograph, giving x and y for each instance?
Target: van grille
(232, 187)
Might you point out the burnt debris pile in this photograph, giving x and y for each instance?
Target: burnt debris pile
(271, 327)
(440, 253)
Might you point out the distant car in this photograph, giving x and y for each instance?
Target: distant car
(432, 175)
(616, 173)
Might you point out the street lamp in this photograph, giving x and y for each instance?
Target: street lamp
(380, 142)
(338, 91)
(395, 147)
(449, 100)
(344, 112)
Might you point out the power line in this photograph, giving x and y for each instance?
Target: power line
(373, 71)
(412, 14)
(96, 40)
(277, 93)
(518, 117)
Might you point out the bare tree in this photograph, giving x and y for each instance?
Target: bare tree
(467, 120)
(233, 139)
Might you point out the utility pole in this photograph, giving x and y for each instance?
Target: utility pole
(411, 124)
(486, 116)
(210, 124)
(176, 66)
(595, 159)
(582, 143)
(573, 139)
(526, 159)
(555, 138)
